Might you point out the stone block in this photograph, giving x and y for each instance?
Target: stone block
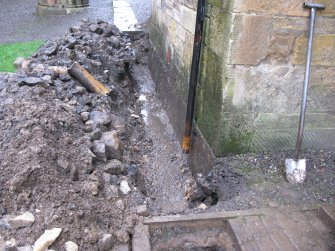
(251, 39)
(323, 50)
(283, 7)
(188, 18)
(280, 48)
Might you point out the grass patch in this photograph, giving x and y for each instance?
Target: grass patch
(9, 52)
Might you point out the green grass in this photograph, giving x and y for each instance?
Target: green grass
(9, 52)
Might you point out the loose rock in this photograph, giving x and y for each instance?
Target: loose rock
(124, 187)
(31, 81)
(71, 246)
(142, 210)
(47, 239)
(24, 220)
(106, 242)
(114, 167)
(113, 145)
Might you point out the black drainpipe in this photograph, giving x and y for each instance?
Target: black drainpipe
(194, 74)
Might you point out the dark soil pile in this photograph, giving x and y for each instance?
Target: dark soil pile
(68, 156)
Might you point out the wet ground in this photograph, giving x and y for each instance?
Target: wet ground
(18, 21)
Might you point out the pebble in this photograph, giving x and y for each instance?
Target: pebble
(31, 81)
(106, 242)
(24, 220)
(120, 205)
(47, 239)
(114, 167)
(142, 210)
(11, 245)
(84, 116)
(124, 187)
(71, 246)
(113, 145)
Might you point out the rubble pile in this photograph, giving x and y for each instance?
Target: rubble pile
(70, 157)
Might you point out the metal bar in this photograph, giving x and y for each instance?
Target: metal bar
(306, 83)
(194, 75)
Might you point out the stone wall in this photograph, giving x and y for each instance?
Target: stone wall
(172, 31)
(59, 6)
(251, 72)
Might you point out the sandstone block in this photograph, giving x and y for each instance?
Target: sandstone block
(251, 39)
(323, 50)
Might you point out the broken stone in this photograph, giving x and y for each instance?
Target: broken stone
(119, 124)
(100, 117)
(92, 187)
(80, 89)
(124, 187)
(47, 239)
(202, 206)
(114, 42)
(11, 245)
(105, 242)
(112, 192)
(71, 43)
(18, 62)
(96, 29)
(71, 246)
(24, 220)
(120, 205)
(113, 145)
(142, 210)
(122, 236)
(50, 49)
(31, 81)
(107, 178)
(114, 167)
(96, 134)
(88, 126)
(99, 150)
(84, 116)
(47, 79)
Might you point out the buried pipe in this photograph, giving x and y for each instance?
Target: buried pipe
(194, 75)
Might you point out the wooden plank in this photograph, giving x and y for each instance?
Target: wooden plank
(325, 233)
(302, 235)
(277, 234)
(242, 238)
(327, 215)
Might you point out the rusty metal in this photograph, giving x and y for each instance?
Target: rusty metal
(89, 82)
(194, 75)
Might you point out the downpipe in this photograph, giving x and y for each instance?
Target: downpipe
(198, 36)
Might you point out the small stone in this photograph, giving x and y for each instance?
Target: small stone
(84, 116)
(114, 167)
(50, 49)
(124, 187)
(88, 126)
(71, 246)
(120, 205)
(113, 145)
(24, 220)
(72, 41)
(100, 117)
(18, 62)
(122, 236)
(80, 89)
(107, 178)
(105, 242)
(31, 81)
(112, 192)
(47, 239)
(47, 79)
(142, 210)
(11, 245)
(96, 134)
(202, 206)
(99, 149)
(92, 187)
(115, 42)
(96, 29)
